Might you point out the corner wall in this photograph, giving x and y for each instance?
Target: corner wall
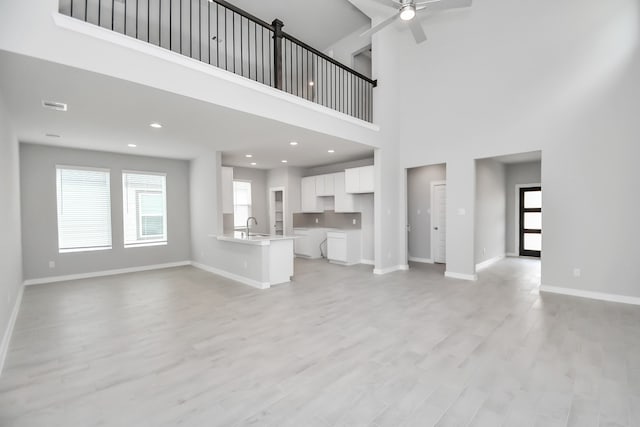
(10, 243)
(490, 210)
(39, 212)
(517, 174)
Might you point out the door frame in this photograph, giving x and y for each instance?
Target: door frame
(432, 236)
(516, 247)
(271, 228)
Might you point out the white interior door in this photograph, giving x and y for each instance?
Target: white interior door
(439, 224)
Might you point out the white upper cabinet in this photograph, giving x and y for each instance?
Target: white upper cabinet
(325, 185)
(310, 201)
(344, 202)
(227, 190)
(359, 180)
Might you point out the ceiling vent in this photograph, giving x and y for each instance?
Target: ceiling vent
(58, 106)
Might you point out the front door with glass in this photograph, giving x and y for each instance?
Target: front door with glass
(530, 221)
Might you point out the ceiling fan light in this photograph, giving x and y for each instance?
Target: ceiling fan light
(407, 12)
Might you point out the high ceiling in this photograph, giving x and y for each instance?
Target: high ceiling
(319, 23)
(107, 114)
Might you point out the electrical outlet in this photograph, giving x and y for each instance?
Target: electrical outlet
(317, 220)
(462, 211)
(355, 221)
(389, 255)
(577, 272)
(52, 264)
(484, 251)
(246, 264)
(419, 211)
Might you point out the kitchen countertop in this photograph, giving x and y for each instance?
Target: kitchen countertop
(254, 239)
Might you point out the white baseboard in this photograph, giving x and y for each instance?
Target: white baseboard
(53, 279)
(251, 282)
(367, 261)
(451, 274)
(484, 264)
(590, 294)
(423, 260)
(391, 269)
(511, 254)
(6, 337)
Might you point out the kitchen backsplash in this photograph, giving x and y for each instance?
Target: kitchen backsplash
(328, 219)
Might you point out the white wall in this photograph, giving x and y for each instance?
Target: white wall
(10, 243)
(490, 210)
(39, 207)
(515, 174)
(566, 82)
(419, 207)
(289, 178)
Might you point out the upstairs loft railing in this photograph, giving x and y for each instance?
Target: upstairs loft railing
(220, 34)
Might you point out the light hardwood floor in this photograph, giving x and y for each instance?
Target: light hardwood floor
(338, 347)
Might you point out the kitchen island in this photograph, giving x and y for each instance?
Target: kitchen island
(262, 260)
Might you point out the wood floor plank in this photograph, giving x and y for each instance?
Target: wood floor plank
(336, 347)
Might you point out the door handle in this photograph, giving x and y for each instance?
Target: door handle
(435, 228)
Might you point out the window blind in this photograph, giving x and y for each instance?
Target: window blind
(84, 209)
(145, 209)
(241, 203)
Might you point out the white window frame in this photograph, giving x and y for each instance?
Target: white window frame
(58, 190)
(151, 241)
(242, 227)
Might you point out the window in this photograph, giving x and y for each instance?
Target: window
(530, 221)
(241, 203)
(84, 209)
(144, 209)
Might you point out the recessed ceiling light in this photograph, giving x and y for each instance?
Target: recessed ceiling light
(253, 163)
(52, 135)
(311, 83)
(293, 143)
(155, 125)
(331, 151)
(248, 156)
(283, 161)
(132, 145)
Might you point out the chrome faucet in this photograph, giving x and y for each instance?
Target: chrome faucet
(248, 220)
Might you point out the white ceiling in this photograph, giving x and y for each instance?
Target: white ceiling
(107, 114)
(319, 23)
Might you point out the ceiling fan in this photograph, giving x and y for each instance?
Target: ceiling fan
(407, 10)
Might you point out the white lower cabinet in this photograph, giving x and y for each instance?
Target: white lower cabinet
(308, 243)
(343, 247)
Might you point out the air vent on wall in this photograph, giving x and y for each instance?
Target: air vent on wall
(58, 106)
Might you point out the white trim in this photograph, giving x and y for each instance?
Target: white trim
(91, 30)
(391, 269)
(590, 294)
(6, 338)
(516, 217)
(484, 264)
(367, 261)
(140, 172)
(54, 279)
(82, 168)
(511, 254)
(433, 184)
(232, 276)
(452, 275)
(423, 260)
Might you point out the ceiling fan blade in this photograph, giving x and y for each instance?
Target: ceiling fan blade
(389, 2)
(379, 26)
(417, 31)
